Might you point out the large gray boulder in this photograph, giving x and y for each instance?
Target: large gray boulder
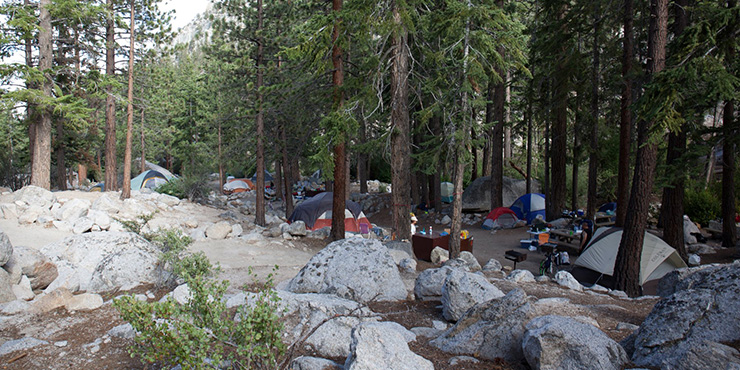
(557, 342)
(24, 262)
(463, 290)
(703, 308)
(35, 196)
(689, 227)
(297, 228)
(98, 262)
(6, 249)
(495, 328)
(358, 269)
(376, 346)
(107, 204)
(490, 330)
(219, 230)
(705, 355)
(477, 196)
(429, 283)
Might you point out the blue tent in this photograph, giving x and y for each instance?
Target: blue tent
(608, 207)
(528, 206)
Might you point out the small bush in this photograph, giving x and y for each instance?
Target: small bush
(382, 188)
(136, 225)
(190, 187)
(702, 206)
(174, 187)
(203, 333)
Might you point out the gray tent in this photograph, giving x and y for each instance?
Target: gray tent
(596, 263)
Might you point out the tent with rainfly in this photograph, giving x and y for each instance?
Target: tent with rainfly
(238, 186)
(528, 206)
(596, 263)
(150, 179)
(316, 213)
(500, 218)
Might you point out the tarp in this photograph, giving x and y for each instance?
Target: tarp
(238, 185)
(500, 218)
(528, 206)
(608, 207)
(268, 178)
(150, 179)
(316, 213)
(448, 190)
(596, 263)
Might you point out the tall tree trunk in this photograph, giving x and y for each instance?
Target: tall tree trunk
(401, 153)
(577, 122)
(41, 165)
(474, 154)
(260, 202)
(507, 117)
(627, 265)
(221, 171)
(339, 201)
(31, 105)
(673, 195)
(111, 167)
(460, 149)
(61, 170)
(729, 131)
(593, 161)
(436, 189)
(625, 125)
(362, 158)
(142, 168)
(126, 191)
(497, 136)
(530, 132)
(287, 181)
(559, 133)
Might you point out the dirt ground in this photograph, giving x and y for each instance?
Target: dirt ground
(78, 340)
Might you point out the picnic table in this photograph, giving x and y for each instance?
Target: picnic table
(603, 219)
(565, 234)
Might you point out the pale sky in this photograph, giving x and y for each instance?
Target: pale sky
(185, 10)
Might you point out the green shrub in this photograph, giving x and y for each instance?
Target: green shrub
(203, 333)
(174, 187)
(190, 187)
(136, 225)
(702, 206)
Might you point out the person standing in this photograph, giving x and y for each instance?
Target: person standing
(414, 220)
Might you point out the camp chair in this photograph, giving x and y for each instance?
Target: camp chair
(364, 229)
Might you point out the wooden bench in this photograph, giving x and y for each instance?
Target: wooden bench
(515, 256)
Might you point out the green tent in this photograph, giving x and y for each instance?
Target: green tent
(150, 179)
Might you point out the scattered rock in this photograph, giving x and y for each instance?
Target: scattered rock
(626, 326)
(429, 283)
(105, 203)
(20, 344)
(125, 331)
(694, 260)
(565, 279)
(84, 302)
(72, 210)
(492, 265)
(6, 287)
(236, 231)
(463, 290)
(31, 214)
(407, 265)
(23, 289)
(6, 249)
(704, 355)
(689, 228)
(439, 255)
(42, 275)
(297, 228)
(446, 220)
(14, 307)
(49, 301)
(375, 346)
(314, 363)
(82, 225)
(521, 276)
(557, 342)
(218, 230)
(35, 196)
(356, 268)
(459, 360)
(182, 294)
(9, 211)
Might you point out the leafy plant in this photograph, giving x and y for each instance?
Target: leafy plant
(203, 333)
(190, 187)
(136, 225)
(702, 206)
(174, 187)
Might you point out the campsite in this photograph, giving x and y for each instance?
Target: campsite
(345, 184)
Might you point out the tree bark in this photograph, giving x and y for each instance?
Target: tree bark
(498, 99)
(401, 153)
(559, 136)
(31, 105)
(436, 189)
(593, 161)
(673, 194)
(111, 167)
(221, 171)
(287, 181)
(474, 154)
(260, 201)
(339, 201)
(529, 144)
(126, 190)
(625, 125)
(627, 265)
(142, 168)
(362, 158)
(41, 165)
(729, 131)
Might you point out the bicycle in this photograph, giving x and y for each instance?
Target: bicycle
(553, 259)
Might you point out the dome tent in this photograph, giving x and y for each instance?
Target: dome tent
(149, 179)
(316, 213)
(500, 218)
(596, 263)
(528, 206)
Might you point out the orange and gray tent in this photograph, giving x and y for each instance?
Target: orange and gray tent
(500, 218)
(316, 213)
(238, 186)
